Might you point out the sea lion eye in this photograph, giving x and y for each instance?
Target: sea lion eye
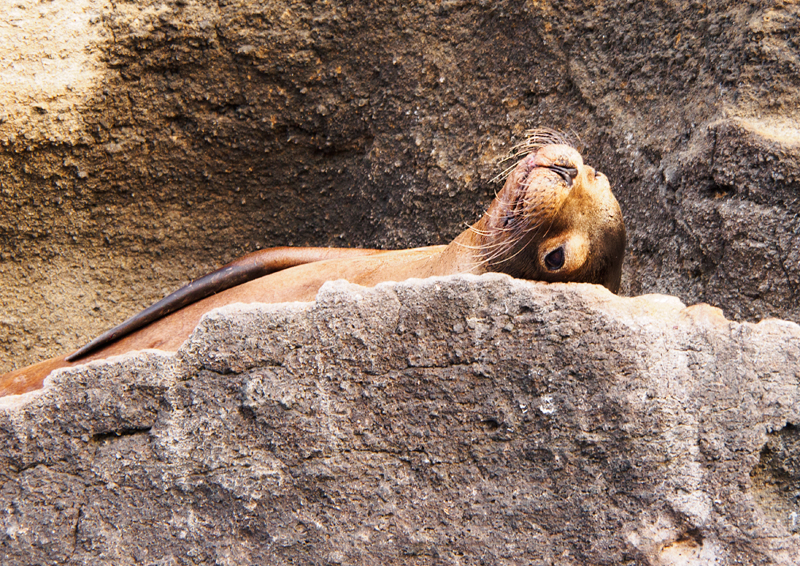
(555, 259)
(566, 173)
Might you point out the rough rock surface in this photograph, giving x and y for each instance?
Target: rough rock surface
(144, 142)
(461, 420)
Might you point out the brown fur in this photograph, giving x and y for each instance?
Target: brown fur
(554, 220)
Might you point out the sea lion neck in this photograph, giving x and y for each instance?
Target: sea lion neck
(463, 254)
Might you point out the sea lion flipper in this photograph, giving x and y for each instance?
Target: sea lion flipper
(246, 268)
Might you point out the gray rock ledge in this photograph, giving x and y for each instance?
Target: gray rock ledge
(459, 420)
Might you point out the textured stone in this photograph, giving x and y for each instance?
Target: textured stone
(144, 143)
(460, 420)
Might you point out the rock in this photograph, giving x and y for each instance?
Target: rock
(459, 420)
(145, 143)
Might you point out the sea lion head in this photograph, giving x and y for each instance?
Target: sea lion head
(555, 219)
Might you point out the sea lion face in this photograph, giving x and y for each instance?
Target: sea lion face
(555, 220)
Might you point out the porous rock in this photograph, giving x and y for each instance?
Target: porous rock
(146, 143)
(458, 420)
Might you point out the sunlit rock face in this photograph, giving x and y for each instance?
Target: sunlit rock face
(450, 420)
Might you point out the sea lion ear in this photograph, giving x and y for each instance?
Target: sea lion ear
(565, 254)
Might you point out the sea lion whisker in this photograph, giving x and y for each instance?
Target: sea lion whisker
(471, 228)
(503, 175)
(479, 232)
(509, 258)
(549, 136)
(499, 244)
(537, 138)
(499, 215)
(502, 248)
(517, 154)
(493, 259)
(525, 148)
(468, 246)
(505, 245)
(529, 234)
(494, 247)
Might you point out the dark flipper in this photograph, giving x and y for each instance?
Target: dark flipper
(252, 266)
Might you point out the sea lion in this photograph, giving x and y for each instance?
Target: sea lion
(555, 219)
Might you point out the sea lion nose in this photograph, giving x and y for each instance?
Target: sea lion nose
(561, 155)
(566, 173)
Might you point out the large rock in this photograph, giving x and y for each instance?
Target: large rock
(461, 420)
(143, 143)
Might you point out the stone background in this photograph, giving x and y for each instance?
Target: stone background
(144, 143)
